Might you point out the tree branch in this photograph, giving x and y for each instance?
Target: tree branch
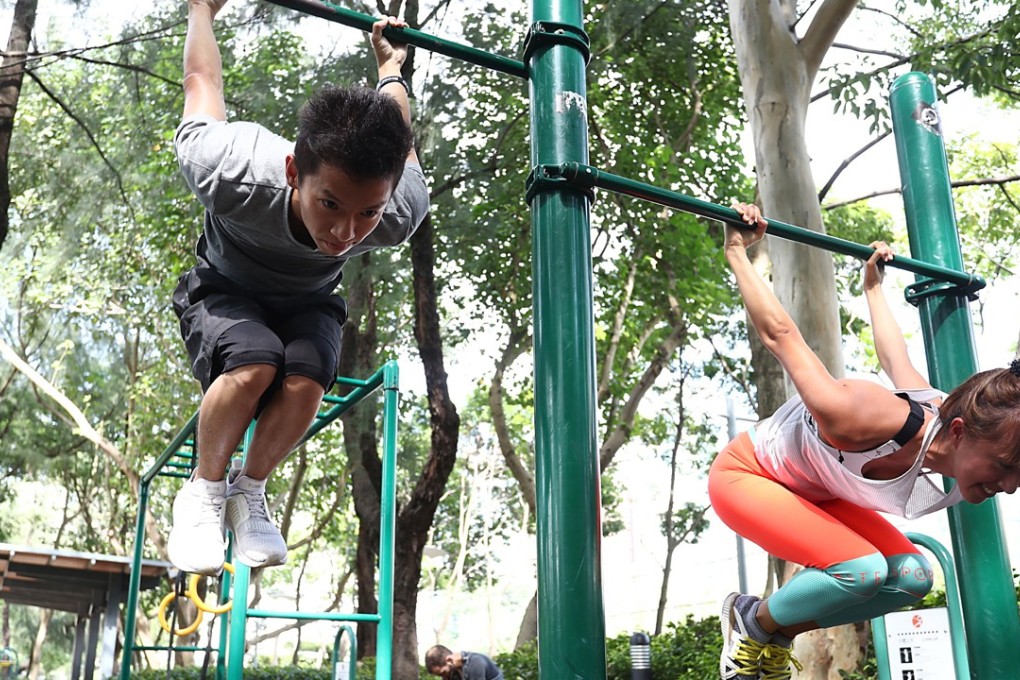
(128, 67)
(635, 26)
(822, 32)
(490, 165)
(619, 319)
(865, 50)
(827, 92)
(793, 26)
(847, 161)
(901, 22)
(86, 430)
(432, 14)
(83, 426)
(992, 181)
(95, 143)
(1009, 198)
(621, 433)
(516, 345)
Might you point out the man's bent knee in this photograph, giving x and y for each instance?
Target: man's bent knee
(253, 379)
(302, 387)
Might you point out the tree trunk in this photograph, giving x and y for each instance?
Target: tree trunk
(777, 71)
(671, 542)
(529, 623)
(776, 83)
(358, 358)
(35, 660)
(414, 519)
(12, 73)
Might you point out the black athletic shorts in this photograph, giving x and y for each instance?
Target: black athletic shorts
(225, 327)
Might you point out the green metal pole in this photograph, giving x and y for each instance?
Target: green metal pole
(571, 620)
(227, 587)
(387, 522)
(135, 583)
(586, 176)
(238, 620)
(352, 654)
(957, 630)
(335, 13)
(989, 601)
(879, 636)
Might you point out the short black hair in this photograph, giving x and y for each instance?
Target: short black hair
(435, 657)
(354, 129)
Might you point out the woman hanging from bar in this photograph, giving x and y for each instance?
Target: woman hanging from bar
(807, 483)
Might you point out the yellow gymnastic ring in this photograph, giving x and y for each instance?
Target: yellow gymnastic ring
(193, 594)
(170, 597)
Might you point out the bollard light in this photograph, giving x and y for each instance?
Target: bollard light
(640, 657)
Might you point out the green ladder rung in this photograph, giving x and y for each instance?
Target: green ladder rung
(179, 475)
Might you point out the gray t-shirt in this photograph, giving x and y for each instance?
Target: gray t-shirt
(237, 171)
(479, 667)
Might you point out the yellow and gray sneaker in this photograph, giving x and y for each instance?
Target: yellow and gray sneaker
(742, 655)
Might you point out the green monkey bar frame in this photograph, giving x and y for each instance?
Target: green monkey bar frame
(178, 460)
(957, 632)
(570, 608)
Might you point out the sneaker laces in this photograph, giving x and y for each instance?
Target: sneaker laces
(747, 657)
(209, 509)
(776, 661)
(257, 511)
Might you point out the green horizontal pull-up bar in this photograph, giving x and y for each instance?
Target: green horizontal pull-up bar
(409, 36)
(577, 174)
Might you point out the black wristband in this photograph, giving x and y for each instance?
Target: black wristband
(393, 79)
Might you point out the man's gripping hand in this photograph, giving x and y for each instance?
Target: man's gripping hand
(214, 6)
(389, 56)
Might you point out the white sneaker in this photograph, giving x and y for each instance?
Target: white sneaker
(741, 654)
(197, 543)
(257, 541)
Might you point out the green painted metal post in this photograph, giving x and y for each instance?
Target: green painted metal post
(571, 619)
(237, 618)
(989, 601)
(352, 655)
(134, 586)
(387, 522)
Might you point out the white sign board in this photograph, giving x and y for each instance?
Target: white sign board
(919, 645)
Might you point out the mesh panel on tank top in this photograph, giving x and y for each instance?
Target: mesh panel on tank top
(790, 449)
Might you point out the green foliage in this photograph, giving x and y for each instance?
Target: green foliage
(483, 507)
(987, 215)
(868, 668)
(365, 671)
(687, 650)
(960, 43)
(261, 673)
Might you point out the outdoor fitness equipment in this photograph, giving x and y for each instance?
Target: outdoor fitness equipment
(559, 192)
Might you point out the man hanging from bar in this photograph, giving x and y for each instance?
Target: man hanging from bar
(258, 312)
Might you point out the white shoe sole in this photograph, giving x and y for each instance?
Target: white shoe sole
(726, 627)
(205, 569)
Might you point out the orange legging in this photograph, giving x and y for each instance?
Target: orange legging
(821, 535)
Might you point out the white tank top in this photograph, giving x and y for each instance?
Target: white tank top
(789, 447)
